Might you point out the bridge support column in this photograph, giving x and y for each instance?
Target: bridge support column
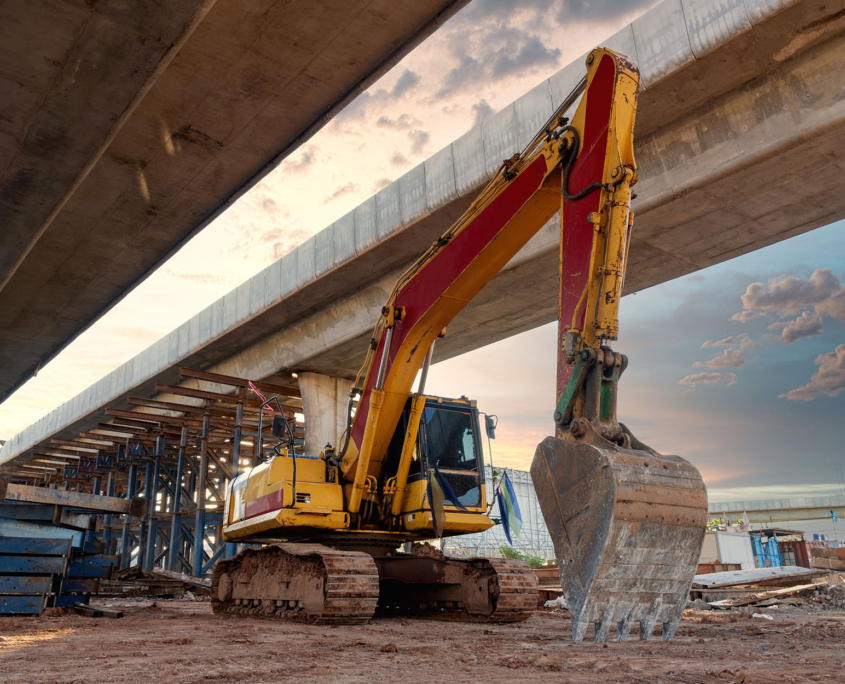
(324, 401)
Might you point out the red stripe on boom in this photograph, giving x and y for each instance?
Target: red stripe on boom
(576, 230)
(426, 287)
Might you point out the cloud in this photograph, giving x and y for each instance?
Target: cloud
(340, 191)
(381, 183)
(729, 358)
(203, 278)
(707, 379)
(745, 316)
(407, 122)
(828, 380)
(405, 84)
(361, 105)
(481, 111)
(403, 122)
(310, 155)
(496, 51)
(727, 341)
(806, 325)
(419, 139)
(790, 295)
(399, 159)
(531, 55)
(745, 342)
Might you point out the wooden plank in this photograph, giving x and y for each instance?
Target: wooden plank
(754, 599)
(82, 608)
(58, 452)
(165, 405)
(61, 497)
(149, 418)
(202, 586)
(18, 584)
(76, 445)
(251, 402)
(735, 578)
(22, 605)
(239, 382)
(29, 545)
(110, 613)
(98, 438)
(33, 565)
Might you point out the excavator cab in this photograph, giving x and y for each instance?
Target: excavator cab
(449, 438)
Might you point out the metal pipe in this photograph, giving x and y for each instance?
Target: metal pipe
(417, 406)
(125, 548)
(176, 522)
(382, 369)
(199, 522)
(426, 364)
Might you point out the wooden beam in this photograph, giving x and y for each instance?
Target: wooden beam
(61, 497)
(238, 382)
(54, 451)
(151, 418)
(98, 438)
(73, 444)
(165, 405)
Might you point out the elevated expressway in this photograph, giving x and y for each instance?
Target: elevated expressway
(781, 510)
(125, 127)
(740, 122)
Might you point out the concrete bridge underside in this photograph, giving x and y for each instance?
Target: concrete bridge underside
(125, 127)
(740, 125)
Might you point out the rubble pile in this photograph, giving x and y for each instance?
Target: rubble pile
(823, 558)
(761, 588)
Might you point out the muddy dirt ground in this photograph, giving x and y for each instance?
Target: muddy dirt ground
(182, 641)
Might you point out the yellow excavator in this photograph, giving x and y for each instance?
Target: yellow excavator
(337, 530)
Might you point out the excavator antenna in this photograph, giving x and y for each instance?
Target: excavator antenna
(627, 523)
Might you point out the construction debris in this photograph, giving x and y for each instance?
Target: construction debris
(827, 559)
(157, 583)
(766, 587)
(96, 612)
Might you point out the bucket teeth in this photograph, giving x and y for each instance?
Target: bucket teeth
(623, 628)
(627, 526)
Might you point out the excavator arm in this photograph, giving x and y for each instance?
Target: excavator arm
(587, 166)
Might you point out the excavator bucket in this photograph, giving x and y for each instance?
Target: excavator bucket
(627, 526)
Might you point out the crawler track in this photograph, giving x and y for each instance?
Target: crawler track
(317, 584)
(304, 582)
(512, 587)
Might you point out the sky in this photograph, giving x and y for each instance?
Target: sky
(740, 368)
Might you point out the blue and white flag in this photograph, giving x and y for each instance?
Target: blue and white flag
(833, 515)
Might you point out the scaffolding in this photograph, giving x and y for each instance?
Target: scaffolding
(178, 456)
